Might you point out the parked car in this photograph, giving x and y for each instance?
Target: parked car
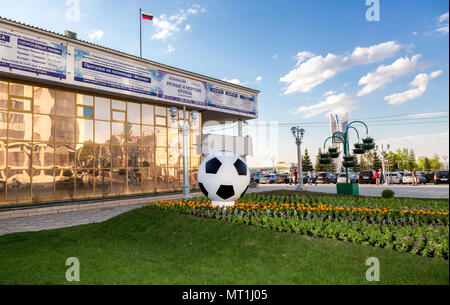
(283, 178)
(352, 178)
(430, 176)
(273, 179)
(367, 176)
(265, 179)
(440, 177)
(408, 179)
(257, 176)
(394, 178)
(324, 177)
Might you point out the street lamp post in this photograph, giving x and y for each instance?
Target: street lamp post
(184, 128)
(445, 161)
(383, 156)
(298, 136)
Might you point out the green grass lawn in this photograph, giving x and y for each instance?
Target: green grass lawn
(151, 246)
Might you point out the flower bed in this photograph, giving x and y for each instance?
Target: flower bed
(418, 231)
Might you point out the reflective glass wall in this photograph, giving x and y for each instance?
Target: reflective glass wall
(57, 144)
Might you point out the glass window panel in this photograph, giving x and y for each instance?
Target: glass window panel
(20, 90)
(119, 182)
(19, 185)
(161, 136)
(172, 123)
(148, 156)
(173, 178)
(119, 133)
(134, 134)
(134, 113)
(148, 179)
(102, 156)
(103, 183)
(65, 103)
(134, 180)
(85, 112)
(173, 138)
(119, 105)
(43, 184)
(119, 155)
(64, 184)
(3, 95)
(174, 156)
(20, 126)
(84, 131)
(65, 156)
(148, 136)
(65, 129)
(3, 124)
(160, 121)
(43, 128)
(44, 100)
(85, 155)
(194, 179)
(134, 155)
(161, 179)
(43, 155)
(118, 116)
(196, 138)
(161, 111)
(102, 132)
(147, 114)
(20, 104)
(84, 186)
(102, 108)
(161, 156)
(195, 159)
(2, 159)
(85, 100)
(19, 155)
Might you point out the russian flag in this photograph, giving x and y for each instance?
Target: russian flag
(147, 16)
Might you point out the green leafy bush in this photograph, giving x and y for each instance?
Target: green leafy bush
(387, 193)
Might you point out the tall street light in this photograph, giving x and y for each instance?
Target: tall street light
(383, 156)
(184, 127)
(298, 136)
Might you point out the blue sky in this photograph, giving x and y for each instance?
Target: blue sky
(308, 58)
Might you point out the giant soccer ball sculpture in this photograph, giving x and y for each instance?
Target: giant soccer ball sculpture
(223, 177)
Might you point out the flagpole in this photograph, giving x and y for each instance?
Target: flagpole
(140, 31)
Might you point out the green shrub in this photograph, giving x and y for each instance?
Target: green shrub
(387, 193)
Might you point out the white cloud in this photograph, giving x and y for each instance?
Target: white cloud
(73, 12)
(330, 92)
(258, 79)
(187, 27)
(167, 26)
(385, 74)
(318, 69)
(415, 33)
(233, 81)
(301, 56)
(442, 25)
(419, 85)
(95, 34)
(170, 49)
(275, 56)
(423, 145)
(336, 103)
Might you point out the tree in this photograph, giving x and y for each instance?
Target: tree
(323, 167)
(375, 161)
(306, 162)
(435, 163)
(424, 164)
(411, 161)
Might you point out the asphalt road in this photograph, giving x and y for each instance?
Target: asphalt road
(422, 191)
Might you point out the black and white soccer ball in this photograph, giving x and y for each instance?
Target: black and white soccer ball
(223, 177)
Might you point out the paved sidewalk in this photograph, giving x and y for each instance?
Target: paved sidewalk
(55, 221)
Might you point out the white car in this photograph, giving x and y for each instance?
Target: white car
(407, 178)
(394, 178)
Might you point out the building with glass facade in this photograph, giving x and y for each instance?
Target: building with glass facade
(101, 127)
